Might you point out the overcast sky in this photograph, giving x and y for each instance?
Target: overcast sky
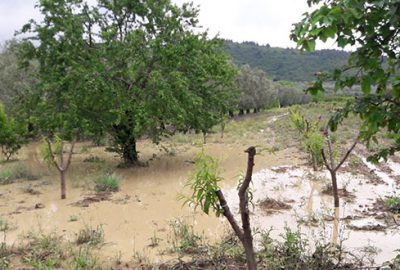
(262, 21)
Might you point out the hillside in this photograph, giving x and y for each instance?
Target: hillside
(285, 64)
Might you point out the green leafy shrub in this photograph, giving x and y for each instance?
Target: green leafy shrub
(11, 137)
(204, 182)
(393, 203)
(107, 183)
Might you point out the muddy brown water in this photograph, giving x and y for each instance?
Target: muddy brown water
(146, 205)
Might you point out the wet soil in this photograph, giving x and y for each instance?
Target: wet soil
(147, 204)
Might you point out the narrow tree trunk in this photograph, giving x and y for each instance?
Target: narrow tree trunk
(222, 129)
(314, 161)
(63, 186)
(231, 114)
(334, 188)
(247, 111)
(204, 137)
(255, 110)
(241, 111)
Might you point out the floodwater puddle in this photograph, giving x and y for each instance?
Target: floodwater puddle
(146, 206)
(360, 225)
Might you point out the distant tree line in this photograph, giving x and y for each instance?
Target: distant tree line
(285, 64)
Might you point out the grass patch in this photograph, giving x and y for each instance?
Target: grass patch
(107, 183)
(90, 236)
(184, 239)
(17, 171)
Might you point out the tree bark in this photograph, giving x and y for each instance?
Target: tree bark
(245, 213)
(241, 111)
(247, 111)
(129, 151)
(63, 186)
(244, 233)
(334, 188)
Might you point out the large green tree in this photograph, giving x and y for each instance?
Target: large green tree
(372, 29)
(128, 68)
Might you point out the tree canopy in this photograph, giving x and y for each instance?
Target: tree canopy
(126, 68)
(372, 28)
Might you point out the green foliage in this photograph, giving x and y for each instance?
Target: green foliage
(393, 203)
(311, 137)
(14, 82)
(371, 27)
(295, 252)
(45, 151)
(285, 64)
(11, 135)
(184, 239)
(98, 77)
(107, 183)
(204, 183)
(83, 260)
(257, 91)
(43, 251)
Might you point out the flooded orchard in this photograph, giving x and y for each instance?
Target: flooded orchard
(141, 216)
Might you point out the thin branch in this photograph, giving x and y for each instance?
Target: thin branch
(325, 160)
(53, 158)
(347, 154)
(71, 150)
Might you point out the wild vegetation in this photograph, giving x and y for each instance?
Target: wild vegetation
(118, 75)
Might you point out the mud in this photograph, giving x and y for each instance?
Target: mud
(147, 204)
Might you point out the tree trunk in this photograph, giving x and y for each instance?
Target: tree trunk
(244, 233)
(255, 110)
(314, 162)
(241, 111)
(245, 213)
(247, 111)
(334, 188)
(129, 152)
(63, 187)
(231, 114)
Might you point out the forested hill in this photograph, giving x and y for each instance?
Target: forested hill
(285, 64)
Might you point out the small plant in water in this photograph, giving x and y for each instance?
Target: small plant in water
(184, 239)
(393, 203)
(90, 236)
(73, 218)
(107, 183)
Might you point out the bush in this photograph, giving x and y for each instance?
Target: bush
(107, 183)
(11, 138)
(393, 203)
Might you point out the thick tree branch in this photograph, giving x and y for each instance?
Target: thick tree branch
(228, 214)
